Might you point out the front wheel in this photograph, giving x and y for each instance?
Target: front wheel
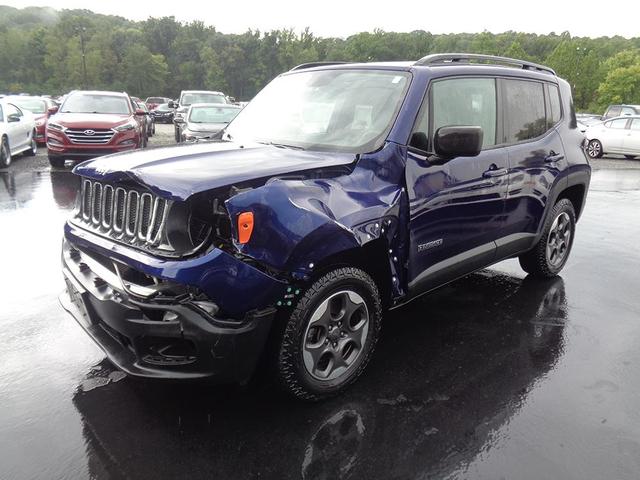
(551, 252)
(594, 149)
(330, 335)
(5, 153)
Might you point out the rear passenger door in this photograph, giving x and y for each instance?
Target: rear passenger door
(531, 111)
(631, 145)
(456, 206)
(615, 132)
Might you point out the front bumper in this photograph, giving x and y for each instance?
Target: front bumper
(58, 145)
(158, 336)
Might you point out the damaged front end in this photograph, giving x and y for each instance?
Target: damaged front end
(168, 286)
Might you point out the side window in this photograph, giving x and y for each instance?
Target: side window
(619, 123)
(635, 124)
(465, 101)
(419, 137)
(555, 114)
(524, 115)
(13, 110)
(613, 112)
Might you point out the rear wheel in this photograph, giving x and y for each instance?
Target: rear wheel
(33, 148)
(630, 157)
(551, 252)
(56, 162)
(330, 335)
(594, 149)
(5, 153)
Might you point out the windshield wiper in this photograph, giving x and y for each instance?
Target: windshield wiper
(282, 145)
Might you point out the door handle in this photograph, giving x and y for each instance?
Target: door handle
(494, 171)
(553, 157)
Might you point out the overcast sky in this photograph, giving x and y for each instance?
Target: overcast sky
(342, 18)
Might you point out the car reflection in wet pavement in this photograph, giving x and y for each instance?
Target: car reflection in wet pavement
(496, 375)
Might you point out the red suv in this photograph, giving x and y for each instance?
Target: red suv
(91, 123)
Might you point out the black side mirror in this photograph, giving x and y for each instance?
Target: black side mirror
(458, 141)
(14, 117)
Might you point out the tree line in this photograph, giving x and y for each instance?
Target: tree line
(43, 50)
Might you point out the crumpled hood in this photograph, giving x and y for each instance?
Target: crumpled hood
(180, 171)
(89, 120)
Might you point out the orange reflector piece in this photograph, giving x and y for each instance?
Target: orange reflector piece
(245, 226)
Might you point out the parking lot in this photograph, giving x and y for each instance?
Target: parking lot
(493, 376)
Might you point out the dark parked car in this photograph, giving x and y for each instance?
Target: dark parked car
(94, 123)
(153, 102)
(149, 122)
(162, 113)
(339, 192)
(205, 120)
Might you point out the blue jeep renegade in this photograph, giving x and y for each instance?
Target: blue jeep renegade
(340, 191)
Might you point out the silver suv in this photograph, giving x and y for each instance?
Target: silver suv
(189, 97)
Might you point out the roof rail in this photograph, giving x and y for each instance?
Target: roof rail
(443, 58)
(302, 66)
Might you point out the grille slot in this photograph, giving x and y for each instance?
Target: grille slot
(100, 136)
(123, 214)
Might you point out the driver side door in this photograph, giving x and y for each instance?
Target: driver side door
(456, 205)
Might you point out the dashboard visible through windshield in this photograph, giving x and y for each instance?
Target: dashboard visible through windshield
(331, 110)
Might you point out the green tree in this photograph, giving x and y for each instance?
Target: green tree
(145, 72)
(622, 83)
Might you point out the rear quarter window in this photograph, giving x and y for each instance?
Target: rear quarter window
(524, 112)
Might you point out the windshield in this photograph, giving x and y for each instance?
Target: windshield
(164, 107)
(155, 100)
(96, 103)
(211, 114)
(33, 105)
(335, 110)
(190, 98)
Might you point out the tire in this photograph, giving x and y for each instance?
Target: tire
(630, 157)
(33, 150)
(56, 162)
(348, 312)
(177, 134)
(5, 153)
(153, 129)
(594, 149)
(557, 236)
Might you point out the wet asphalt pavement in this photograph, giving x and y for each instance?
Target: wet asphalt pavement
(494, 376)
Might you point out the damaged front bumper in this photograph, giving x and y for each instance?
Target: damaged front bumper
(164, 328)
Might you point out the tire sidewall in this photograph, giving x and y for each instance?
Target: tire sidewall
(291, 350)
(563, 206)
(6, 161)
(594, 142)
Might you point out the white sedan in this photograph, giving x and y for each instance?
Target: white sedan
(620, 135)
(17, 132)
